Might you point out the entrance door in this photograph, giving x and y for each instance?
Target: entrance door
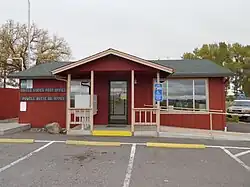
(118, 102)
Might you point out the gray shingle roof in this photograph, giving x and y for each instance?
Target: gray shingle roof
(39, 71)
(183, 68)
(195, 68)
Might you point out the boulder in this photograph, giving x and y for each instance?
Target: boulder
(53, 128)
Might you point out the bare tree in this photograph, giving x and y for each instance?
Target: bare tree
(14, 42)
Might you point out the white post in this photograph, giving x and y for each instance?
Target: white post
(92, 101)
(211, 124)
(211, 121)
(158, 115)
(132, 100)
(68, 115)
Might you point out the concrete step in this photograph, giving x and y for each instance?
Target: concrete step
(11, 128)
(111, 133)
(11, 120)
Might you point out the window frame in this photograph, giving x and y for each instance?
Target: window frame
(174, 111)
(76, 80)
(27, 82)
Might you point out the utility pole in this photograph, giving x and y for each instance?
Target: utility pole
(28, 62)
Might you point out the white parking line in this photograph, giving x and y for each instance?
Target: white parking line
(25, 157)
(130, 166)
(227, 147)
(236, 159)
(242, 153)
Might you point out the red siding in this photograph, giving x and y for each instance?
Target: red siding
(101, 90)
(200, 121)
(9, 101)
(144, 89)
(110, 63)
(113, 63)
(39, 113)
(217, 101)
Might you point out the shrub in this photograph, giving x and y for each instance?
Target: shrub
(233, 119)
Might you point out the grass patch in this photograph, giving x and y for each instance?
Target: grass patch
(233, 119)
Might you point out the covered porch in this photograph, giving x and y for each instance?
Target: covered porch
(113, 88)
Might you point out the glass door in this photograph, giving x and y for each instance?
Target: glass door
(118, 102)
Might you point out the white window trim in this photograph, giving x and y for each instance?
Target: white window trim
(206, 111)
(29, 83)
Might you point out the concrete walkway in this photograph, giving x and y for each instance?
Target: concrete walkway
(175, 132)
(165, 131)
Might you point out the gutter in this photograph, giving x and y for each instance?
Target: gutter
(60, 78)
(38, 77)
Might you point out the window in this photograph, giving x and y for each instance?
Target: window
(26, 84)
(184, 93)
(78, 87)
(180, 93)
(200, 96)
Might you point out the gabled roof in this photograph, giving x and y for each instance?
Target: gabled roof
(116, 53)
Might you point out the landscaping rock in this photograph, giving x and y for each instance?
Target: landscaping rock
(63, 131)
(53, 128)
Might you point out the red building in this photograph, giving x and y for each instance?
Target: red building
(115, 88)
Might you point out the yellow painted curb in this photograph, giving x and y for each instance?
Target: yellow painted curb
(92, 143)
(111, 133)
(175, 145)
(6, 140)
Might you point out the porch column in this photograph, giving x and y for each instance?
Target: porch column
(158, 115)
(68, 103)
(92, 101)
(132, 100)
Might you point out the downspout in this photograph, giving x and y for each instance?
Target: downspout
(226, 80)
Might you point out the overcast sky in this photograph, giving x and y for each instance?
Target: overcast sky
(150, 29)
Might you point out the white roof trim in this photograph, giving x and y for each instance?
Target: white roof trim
(116, 53)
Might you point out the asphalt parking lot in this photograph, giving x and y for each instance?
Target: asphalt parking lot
(131, 165)
(243, 127)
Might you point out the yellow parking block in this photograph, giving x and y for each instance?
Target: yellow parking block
(7, 140)
(111, 133)
(176, 145)
(92, 143)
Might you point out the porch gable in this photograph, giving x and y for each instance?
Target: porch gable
(116, 53)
